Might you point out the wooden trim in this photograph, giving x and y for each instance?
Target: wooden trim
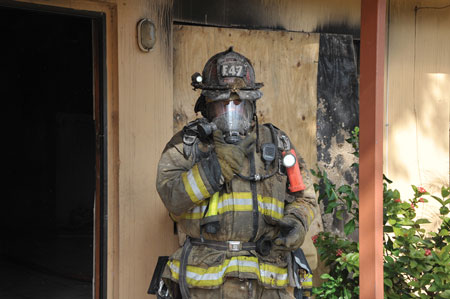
(112, 133)
(373, 16)
(98, 156)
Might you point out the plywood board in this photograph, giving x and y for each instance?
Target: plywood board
(418, 95)
(286, 62)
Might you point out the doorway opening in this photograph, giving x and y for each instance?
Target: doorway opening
(52, 236)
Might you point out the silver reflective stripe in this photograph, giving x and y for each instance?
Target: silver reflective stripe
(272, 275)
(219, 275)
(234, 202)
(199, 209)
(194, 186)
(271, 206)
(241, 202)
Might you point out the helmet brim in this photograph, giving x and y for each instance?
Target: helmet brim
(220, 95)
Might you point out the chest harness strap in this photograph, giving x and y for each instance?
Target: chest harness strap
(255, 214)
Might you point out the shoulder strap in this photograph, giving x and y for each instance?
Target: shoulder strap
(190, 137)
(279, 138)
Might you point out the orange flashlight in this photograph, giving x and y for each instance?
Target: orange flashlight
(293, 171)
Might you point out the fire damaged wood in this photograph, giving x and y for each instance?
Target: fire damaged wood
(314, 16)
(337, 113)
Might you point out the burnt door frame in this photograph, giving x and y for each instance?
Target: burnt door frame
(99, 84)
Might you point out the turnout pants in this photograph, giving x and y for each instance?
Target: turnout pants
(234, 288)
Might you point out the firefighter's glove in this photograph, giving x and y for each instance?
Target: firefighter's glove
(292, 233)
(231, 156)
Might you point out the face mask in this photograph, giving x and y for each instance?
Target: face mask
(232, 117)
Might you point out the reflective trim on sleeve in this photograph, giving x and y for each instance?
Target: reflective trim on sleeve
(214, 276)
(213, 205)
(311, 215)
(196, 213)
(271, 206)
(306, 281)
(194, 185)
(240, 202)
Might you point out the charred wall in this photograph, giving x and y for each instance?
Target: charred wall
(318, 16)
(337, 113)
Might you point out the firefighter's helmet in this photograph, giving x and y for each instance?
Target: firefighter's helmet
(226, 73)
(229, 93)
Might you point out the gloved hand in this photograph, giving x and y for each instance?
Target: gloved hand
(292, 233)
(231, 156)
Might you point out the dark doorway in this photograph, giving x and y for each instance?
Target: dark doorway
(49, 217)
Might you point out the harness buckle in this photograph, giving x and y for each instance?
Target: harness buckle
(285, 143)
(234, 246)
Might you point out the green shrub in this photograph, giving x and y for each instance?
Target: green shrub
(416, 263)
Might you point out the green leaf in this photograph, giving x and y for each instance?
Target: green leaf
(388, 229)
(398, 231)
(438, 199)
(444, 210)
(349, 203)
(392, 221)
(345, 189)
(349, 227)
(432, 288)
(445, 294)
(443, 233)
(389, 259)
(339, 215)
(422, 221)
(325, 276)
(445, 191)
(331, 206)
(388, 282)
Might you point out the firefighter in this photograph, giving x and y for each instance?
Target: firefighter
(238, 190)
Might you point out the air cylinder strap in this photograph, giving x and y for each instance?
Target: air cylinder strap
(255, 213)
(183, 265)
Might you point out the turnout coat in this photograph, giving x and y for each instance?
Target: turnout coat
(190, 184)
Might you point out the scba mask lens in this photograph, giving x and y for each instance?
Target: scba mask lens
(233, 117)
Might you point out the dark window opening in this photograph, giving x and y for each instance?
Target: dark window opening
(47, 212)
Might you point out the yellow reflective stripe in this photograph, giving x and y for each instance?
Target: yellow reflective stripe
(231, 195)
(194, 185)
(238, 202)
(271, 200)
(307, 281)
(271, 206)
(273, 275)
(195, 213)
(199, 181)
(214, 276)
(311, 215)
(188, 188)
(213, 202)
